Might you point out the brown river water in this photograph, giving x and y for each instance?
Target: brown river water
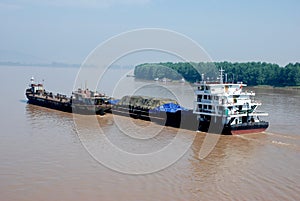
(49, 155)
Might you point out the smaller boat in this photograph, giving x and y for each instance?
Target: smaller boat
(37, 95)
(81, 101)
(90, 102)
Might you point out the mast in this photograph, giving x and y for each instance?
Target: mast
(31, 81)
(221, 75)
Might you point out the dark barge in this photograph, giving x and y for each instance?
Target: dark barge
(81, 101)
(162, 111)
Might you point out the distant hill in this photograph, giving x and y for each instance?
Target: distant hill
(16, 56)
(52, 64)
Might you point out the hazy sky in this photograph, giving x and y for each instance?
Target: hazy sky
(232, 30)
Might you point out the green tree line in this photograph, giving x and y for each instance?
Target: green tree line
(251, 73)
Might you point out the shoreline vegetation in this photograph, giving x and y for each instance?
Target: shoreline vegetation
(255, 74)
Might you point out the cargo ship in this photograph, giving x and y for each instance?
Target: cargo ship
(81, 101)
(226, 108)
(220, 107)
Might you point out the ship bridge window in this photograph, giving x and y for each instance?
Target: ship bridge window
(205, 96)
(199, 98)
(201, 88)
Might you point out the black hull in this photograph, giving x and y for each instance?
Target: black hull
(249, 128)
(246, 128)
(89, 109)
(179, 119)
(67, 106)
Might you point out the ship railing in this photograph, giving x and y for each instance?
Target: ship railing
(207, 102)
(209, 111)
(202, 91)
(215, 103)
(259, 113)
(256, 102)
(251, 93)
(203, 110)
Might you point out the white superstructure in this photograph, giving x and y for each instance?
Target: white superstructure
(227, 101)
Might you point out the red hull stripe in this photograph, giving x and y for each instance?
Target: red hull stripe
(248, 131)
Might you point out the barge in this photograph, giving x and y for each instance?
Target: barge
(81, 101)
(162, 111)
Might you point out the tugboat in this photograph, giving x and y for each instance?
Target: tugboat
(81, 101)
(225, 108)
(37, 95)
(90, 102)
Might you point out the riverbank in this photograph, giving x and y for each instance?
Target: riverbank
(257, 86)
(272, 87)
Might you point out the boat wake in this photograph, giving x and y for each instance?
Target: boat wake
(281, 143)
(283, 136)
(292, 142)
